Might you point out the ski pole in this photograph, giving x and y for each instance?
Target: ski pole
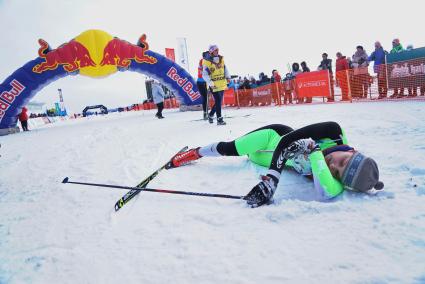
(66, 180)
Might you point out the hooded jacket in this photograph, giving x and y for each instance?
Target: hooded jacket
(23, 116)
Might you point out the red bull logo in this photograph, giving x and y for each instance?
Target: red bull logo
(184, 83)
(8, 97)
(72, 55)
(120, 53)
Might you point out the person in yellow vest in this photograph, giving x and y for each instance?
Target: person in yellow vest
(217, 77)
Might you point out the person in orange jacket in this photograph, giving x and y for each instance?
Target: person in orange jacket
(342, 76)
(23, 118)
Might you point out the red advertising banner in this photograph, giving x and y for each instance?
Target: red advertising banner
(229, 98)
(313, 84)
(169, 53)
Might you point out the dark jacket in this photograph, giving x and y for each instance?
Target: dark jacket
(326, 64)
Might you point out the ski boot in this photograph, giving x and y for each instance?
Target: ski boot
(184, 158)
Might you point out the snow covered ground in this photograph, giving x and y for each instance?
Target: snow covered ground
(56, 233)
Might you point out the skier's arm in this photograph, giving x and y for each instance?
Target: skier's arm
(324, 183)
(226, 73)
(206, 75)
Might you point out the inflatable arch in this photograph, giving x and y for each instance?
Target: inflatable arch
(93, 53)
(103, 109)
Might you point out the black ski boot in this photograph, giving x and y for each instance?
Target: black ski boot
(210, 119)
(205, 116)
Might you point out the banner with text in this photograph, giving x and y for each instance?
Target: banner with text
(313, 84)
(406, 69)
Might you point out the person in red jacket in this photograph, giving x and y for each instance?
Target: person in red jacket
(342, 74)
(23, 118)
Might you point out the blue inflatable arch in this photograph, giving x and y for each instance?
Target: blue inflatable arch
(74, 57)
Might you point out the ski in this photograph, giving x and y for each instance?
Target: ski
(225, 117)
(132, 193)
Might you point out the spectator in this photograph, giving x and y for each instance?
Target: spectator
(295, 71)
(412, 90)
(216, 75)
(397, 48)
(158, 98)
(305, 67)
(341, 75)
(23, 118)
(288, 84)
(305, 70)
(360, 73)
(245, 84)
(202, 87)
(263, 79)
(276, 78)
(279, 91)
(253, 83)
(326, 64)
(378, 58)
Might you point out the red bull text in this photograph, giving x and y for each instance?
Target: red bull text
(184, 83)
(8, 97)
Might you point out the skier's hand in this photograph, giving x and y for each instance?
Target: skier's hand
(301, 146)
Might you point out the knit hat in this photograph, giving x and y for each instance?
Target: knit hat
(361, 174)
(212, 48)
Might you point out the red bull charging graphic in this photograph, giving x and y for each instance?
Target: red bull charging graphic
(96, 54)
(72, 56)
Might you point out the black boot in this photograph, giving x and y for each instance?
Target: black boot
(210, 119)
(220, 121)
(205, 116)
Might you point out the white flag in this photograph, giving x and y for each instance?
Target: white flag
(183, 59)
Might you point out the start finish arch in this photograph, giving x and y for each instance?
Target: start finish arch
(93, 53)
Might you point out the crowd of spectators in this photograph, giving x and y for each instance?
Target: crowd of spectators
(356, 80)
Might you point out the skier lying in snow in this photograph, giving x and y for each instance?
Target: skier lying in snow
(319, 150)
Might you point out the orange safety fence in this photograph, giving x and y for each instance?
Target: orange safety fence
(402, 79)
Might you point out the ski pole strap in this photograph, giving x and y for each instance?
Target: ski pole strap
(66, 180)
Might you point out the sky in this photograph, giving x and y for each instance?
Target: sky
(253, 37)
